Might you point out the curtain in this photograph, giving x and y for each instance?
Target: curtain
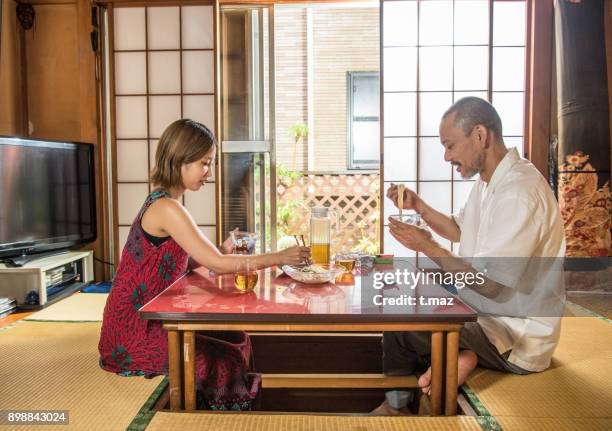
(584, 127)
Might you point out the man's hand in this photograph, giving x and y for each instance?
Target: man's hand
(415, 238)
(412, 201)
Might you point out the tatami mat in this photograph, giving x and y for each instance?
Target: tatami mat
(509, 423)
(257, 422)
(80, 307)
(54, 366)
(578, 384)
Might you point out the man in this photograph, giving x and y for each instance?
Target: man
(510, 213)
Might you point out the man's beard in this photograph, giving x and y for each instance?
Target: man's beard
(475, 169)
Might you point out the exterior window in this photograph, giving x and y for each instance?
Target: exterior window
(363, 120)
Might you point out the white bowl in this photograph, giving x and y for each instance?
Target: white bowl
(326, 275)
(410, 218)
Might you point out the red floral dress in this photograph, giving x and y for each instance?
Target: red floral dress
(131, 346)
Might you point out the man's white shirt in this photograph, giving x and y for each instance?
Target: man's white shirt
(516, 215)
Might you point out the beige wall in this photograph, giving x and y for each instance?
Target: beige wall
(11, 102)
(291, 91)
(60, 90)
(52, 70)
(343, 40)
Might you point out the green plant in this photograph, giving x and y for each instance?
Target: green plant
(285, 175)
(366, 244)
(287, 213)
(299, 133)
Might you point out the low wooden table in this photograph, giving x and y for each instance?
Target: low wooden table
(199, 301)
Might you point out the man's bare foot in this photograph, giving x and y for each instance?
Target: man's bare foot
(467, 362)
(386, 410)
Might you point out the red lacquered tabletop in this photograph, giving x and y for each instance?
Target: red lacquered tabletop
(200, 296)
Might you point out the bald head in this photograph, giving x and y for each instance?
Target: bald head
(472, 111)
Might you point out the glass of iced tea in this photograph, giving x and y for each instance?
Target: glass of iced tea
(244, 242)
(346, 261)
(245, 276)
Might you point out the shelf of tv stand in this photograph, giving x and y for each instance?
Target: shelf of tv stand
(64, 293)
(18, 282)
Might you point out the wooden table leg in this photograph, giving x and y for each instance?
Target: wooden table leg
(437, 360)
(174, 369)
(189, 369)
(452, 355)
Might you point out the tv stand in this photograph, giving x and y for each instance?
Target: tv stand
(46, 279)
(19, 261)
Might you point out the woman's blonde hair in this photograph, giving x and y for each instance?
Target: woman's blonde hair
(183, 141)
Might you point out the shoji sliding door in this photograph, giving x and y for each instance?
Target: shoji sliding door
(163, 69)
(435, 52)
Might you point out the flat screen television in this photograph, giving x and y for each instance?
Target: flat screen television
(47, 196)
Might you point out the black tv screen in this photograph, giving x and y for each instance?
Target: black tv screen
(47, 195)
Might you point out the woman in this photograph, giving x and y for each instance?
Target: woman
(161, 239)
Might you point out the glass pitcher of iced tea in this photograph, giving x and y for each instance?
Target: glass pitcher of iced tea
(320, 233)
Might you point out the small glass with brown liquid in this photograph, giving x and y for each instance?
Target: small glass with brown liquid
(245, 282)
(246, 276)
(346, 262)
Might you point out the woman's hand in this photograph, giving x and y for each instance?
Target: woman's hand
(295, 255)
(228, 245)
(412, 201)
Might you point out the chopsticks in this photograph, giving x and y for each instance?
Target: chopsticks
(400, 201)
(308, 261)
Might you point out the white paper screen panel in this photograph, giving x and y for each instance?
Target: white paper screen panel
(448, 43)
(198, 72)
(197, 28)
(201, 204)
(163, 71)
(509, 68)
(400, 70)
(132, 161)
(432, 107)
(130, 73)
(432, 166)
(199, 108)
(130, 198)
(131, 117)
(509, 24)
(400, 114)
(473, 74)
(471, 23)
(404, 151)
(436, 22)
(164, 28)
(163, 110)
(129, 28)
(436, 68)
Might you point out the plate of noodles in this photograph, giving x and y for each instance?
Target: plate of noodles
(312, 274)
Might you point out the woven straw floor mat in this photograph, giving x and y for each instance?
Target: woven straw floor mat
(54, 366)
(577, 385)
(255, 422)
(510, 423)
(76, 308)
